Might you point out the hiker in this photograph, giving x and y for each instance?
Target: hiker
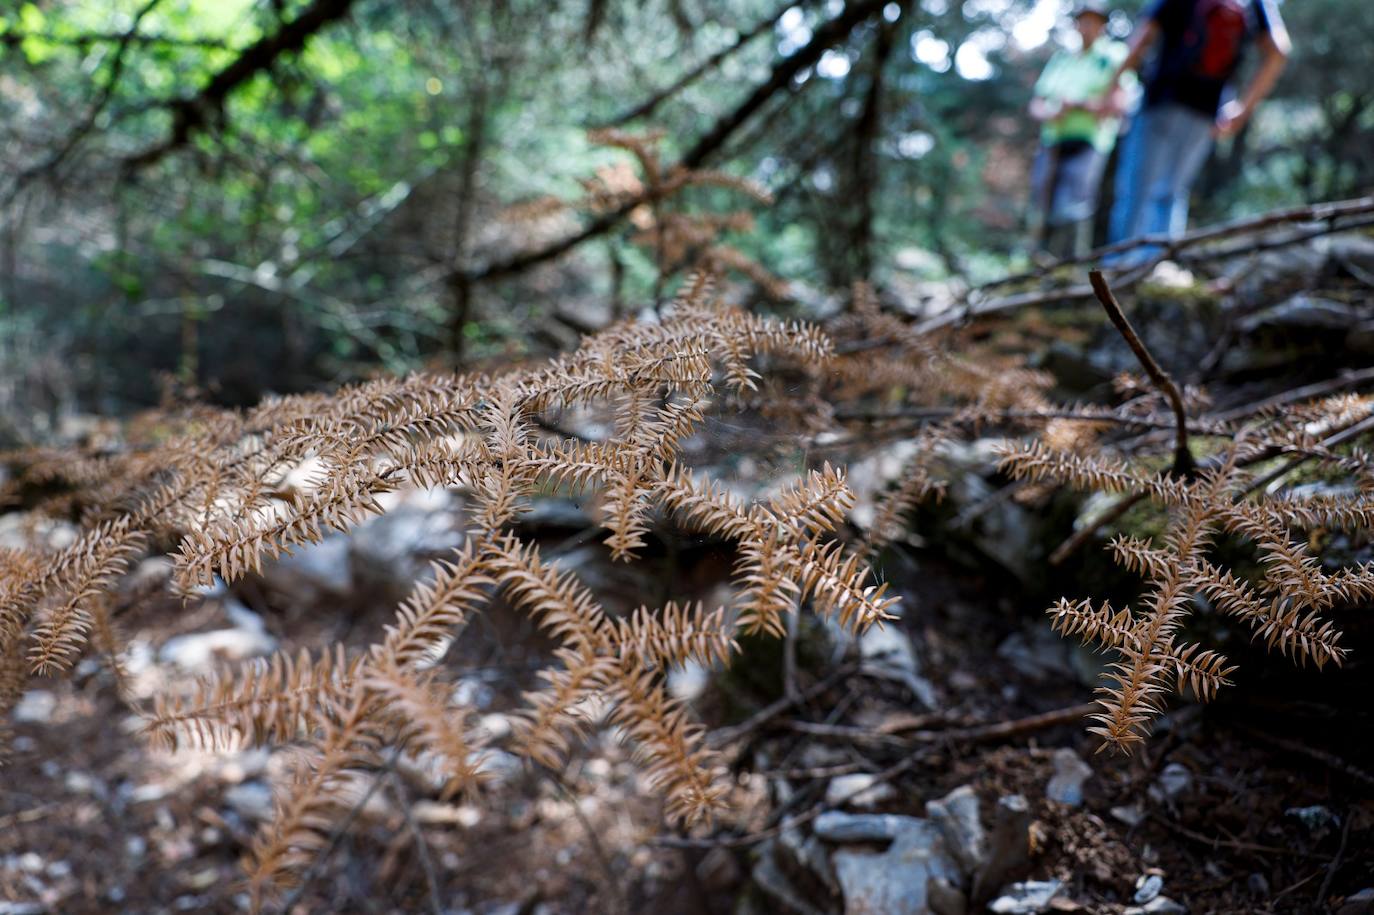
(1078, 102)
(1188, 104)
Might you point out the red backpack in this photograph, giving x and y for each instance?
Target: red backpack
(1217, 35)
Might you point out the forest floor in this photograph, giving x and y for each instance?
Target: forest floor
(1243, 807)
(1260, 802)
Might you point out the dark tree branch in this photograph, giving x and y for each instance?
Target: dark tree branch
(650, 105)
(1329, 213)
(53, 162)
(783, 73)
(190, 115)
(88, 39)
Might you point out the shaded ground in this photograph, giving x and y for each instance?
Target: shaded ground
(1261, 802)
(96, 822)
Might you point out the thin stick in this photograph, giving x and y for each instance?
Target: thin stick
(1082, 416)
(1329, 213)
(1235, 844)
(1183, 458)
(723, 736)
(1336, 861)
(1004, 730)
(421, 846)
(1345, 435)
(1087, 531)
(598, 850)
(1347, 379)
(998, 731)
(789, 656)
(339, 831)
(1306, 392)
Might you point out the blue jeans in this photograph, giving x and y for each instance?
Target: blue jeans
(1126, 183)
(1161, 156)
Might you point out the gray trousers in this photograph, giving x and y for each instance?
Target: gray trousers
(1064, 184)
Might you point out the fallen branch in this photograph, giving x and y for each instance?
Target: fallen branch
(417, 838)
(1006, 730)
(940, 413)
(1328, 213)
(1337, 216)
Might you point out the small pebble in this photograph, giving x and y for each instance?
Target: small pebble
(1026, 898)
(1147, 888)
(856, 790)
(1131, 816)
(1361, 903)
(1316, 819)
(36, 707)
(1070, 772)
(1174, 780)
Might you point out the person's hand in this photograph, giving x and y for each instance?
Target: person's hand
(1230, 119)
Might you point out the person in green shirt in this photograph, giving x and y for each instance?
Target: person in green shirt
(1078, 101)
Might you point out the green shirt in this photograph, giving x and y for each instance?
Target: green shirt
(1081, 76)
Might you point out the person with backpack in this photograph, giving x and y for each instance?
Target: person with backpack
(1079, 107)
(1189, 102)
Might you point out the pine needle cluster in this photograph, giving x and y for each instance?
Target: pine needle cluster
(1287, 602)
(223, 493)
(677, 236)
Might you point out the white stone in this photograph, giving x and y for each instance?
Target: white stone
(857, 790)
(36, 707)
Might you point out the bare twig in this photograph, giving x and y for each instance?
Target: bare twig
(1086, 532)
(1336, 861)
(1341, 437)
(842, 732)
(1330, 760)
(789, 656)
(598, 850)
(1001, 730)
(1084, 416)
(1216, 842)
(650, 105)
(1183, 458)
(1328, 213)
(724, 736)
(1345, 380)
(340, 830)
(421, 846)
(1005, 730)
(1336, 216)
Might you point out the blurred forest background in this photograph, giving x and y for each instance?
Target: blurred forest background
(266, 195)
